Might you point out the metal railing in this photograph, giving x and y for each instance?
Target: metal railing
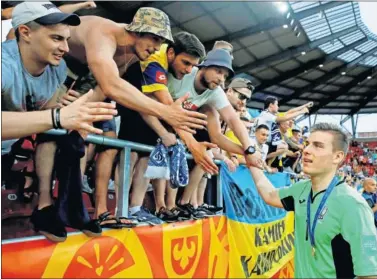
(125, 161)
(125, 166)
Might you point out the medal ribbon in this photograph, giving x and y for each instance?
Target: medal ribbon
(311, 228)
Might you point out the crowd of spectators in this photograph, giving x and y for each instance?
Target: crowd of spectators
(362, 159)
(361, 163)
(147, 72)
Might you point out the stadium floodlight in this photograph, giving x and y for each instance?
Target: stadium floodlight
(282, 6)
(368, 14)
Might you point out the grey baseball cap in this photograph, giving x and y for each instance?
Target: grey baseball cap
(242, 85)
(44, 13)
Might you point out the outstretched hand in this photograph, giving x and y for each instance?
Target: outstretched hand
(80, 114)
(183, 119)
(201, 157)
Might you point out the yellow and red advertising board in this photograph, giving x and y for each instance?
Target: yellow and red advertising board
(211, 248)
(253, 240)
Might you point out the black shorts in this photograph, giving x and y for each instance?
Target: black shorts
(134, 128)
(132, 125)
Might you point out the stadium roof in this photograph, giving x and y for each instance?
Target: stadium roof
(297, 51)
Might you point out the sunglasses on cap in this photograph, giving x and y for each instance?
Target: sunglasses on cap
(250, 87)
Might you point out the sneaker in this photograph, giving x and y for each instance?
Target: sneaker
(211, 207)
(166, 215)
(195, 213)
(143, 215)
(47, 222)
(207, 212)
(181, 215)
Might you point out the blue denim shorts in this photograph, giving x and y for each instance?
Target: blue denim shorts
(106, 126)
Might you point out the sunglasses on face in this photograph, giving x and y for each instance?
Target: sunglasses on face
(241, 96)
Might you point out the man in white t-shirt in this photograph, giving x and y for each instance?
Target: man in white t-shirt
(206, 94)
(270, 118)
(259, 141)
(261, 136)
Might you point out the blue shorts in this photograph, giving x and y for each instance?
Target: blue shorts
(106, 126)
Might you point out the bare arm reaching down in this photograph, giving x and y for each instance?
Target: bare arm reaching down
(100, 49)
(266, 190)
(79, 115)
(231, 118)
(214, 130)
(71, 8)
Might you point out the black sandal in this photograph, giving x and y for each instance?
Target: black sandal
(131, 223)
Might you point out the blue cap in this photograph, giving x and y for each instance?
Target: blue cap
(219, 58)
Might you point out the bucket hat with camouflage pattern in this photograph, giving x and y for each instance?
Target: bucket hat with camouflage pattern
(151, 20)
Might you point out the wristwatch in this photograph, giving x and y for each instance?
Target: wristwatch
(250, 150)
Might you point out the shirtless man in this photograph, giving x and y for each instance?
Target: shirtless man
(110, 49)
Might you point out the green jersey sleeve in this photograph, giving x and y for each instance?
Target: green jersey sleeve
(288, 195)
(357, 228)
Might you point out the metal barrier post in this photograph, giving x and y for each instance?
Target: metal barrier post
(219, 190)
(125, 165)
(124, 182)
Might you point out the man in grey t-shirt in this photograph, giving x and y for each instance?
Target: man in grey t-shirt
(203, 84)
(33, 69)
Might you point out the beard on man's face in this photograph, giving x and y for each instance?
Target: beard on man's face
(204, 82)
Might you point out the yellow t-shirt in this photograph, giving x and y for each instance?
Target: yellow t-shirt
(230, 135)
(289, 131)
(155, 71)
